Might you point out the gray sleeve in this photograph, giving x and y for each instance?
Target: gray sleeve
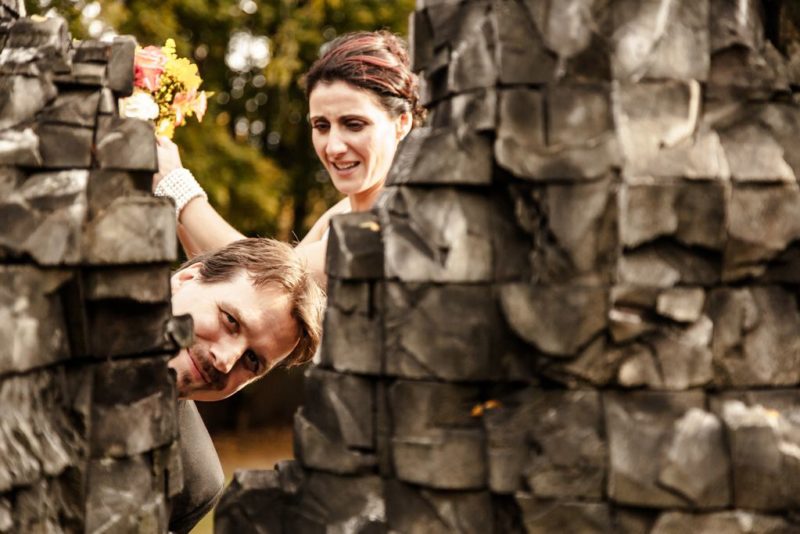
(203, 479)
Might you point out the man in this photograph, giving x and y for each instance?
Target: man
(254, 307)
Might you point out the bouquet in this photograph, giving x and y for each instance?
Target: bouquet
(166, 89)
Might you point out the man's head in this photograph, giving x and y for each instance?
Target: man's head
(254, 306)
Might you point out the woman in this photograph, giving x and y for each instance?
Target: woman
(363, 100)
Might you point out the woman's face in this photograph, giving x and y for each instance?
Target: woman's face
(354, 136)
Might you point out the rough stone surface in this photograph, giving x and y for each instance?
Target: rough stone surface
(574, 306)
(85, 445)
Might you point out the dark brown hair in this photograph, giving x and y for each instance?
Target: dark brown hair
(375, 61)
(267, 261)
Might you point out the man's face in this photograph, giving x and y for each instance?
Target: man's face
(241, 332)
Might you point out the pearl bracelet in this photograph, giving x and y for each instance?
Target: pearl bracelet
(180, 186)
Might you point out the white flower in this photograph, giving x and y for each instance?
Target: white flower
(139, 106)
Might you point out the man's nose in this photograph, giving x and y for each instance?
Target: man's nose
(227, 352)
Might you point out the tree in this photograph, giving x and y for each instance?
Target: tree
(253, 152)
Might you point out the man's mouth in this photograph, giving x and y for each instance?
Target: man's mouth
(198, 368)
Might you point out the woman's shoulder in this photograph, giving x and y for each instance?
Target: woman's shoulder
(319, 231)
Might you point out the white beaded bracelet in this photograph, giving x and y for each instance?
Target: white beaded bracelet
(180, 186)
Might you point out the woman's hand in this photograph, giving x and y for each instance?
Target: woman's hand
(169, 159)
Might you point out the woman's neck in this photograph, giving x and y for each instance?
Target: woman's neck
(364, 200)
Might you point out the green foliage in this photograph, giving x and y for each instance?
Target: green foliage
(262, 176)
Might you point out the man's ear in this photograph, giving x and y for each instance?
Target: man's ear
(404, 124)
(178, 279)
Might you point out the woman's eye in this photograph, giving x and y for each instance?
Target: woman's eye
(320, 126)
(355, 126)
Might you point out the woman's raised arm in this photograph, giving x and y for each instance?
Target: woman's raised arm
(200, 229)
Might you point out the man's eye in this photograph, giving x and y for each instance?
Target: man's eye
(231, 320)
(252, 362)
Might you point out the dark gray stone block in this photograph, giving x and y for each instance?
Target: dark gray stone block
(755, 336)
(123, 328)
(32, 329)
(670, 357)
(253, 497)
(694, 214)
(64, 146)
(472, 60)
(578, 143)
(126, 144)
(353, 337)
(573, 231)
(438, 235)
(148, 285)
(355, 247)
(134, 408)
(44, 217)
(542, 517)
(736, 24)
(576, 32)
(22, 97)
(638, 451)
(414, 510)
(88, 75)
(664, 264)
(473, 111)
(568, 459)
(76, 108)
(20, 147)
(132, 230)
(697, 465)
(123, 497)
(92, 51)
(320, 449)
(120, 65)
(420, 38)
(654, 42)
(34, 442)
(436, 442)
(105, 187)
(440, 156)
(755, 235)
(346, 504)
(442, 332)
(49, 38)
(522, 56)
(341, 406)
(763, 444)
(729, 522)
(557, 320)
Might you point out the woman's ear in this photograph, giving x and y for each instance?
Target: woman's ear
(178, 279)
(404, 123)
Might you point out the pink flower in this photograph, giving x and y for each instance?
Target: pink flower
(200, 105)
(149, 63)
(182, 105)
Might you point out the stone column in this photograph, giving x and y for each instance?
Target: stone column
(575, 307)
(87, 407)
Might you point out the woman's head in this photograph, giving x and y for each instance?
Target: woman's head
(375, 61)
(363, 100)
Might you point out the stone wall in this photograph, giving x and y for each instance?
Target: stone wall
(575, 308)
(87, 407)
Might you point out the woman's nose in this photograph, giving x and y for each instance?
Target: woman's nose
(336, 145)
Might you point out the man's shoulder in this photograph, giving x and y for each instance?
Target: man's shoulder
(203, 478)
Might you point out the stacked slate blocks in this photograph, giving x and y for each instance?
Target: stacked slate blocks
(575, 307)
(87, 406)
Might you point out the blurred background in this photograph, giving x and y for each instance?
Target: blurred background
(252, 153)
